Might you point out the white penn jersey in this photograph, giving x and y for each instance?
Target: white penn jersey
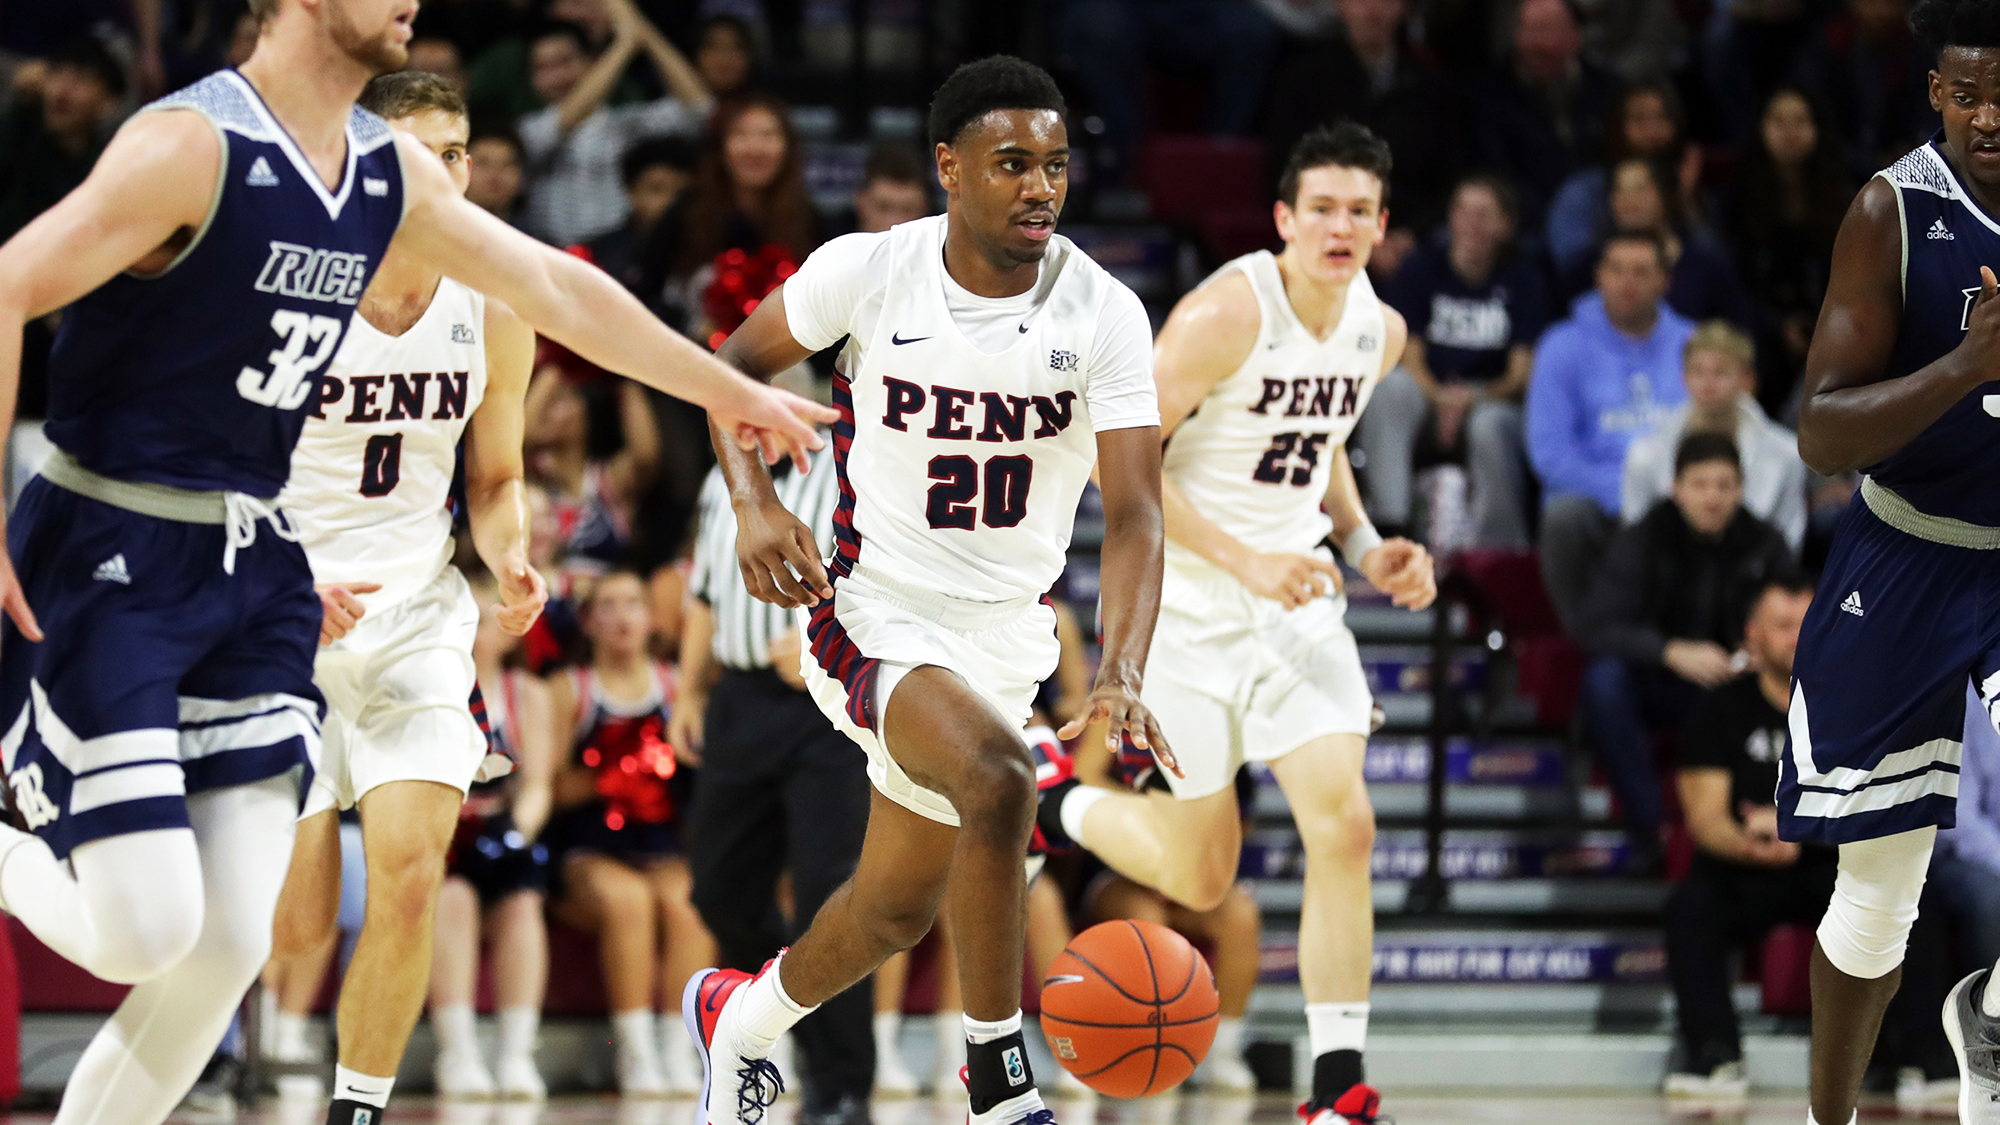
(371, 475)
(1253, 455)
(961, 465)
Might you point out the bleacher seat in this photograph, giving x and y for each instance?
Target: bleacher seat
(1188, 177)
(1549, 664)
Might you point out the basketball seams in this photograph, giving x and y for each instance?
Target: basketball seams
(1114, 1063)
(1106, 978)
(1119, 1075)
(1159, 1009)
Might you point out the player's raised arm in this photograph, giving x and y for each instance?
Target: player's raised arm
(1850, 416)
(149, 190)
(495, 488)
(582, 308)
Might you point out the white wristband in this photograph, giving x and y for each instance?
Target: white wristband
(1359, 542)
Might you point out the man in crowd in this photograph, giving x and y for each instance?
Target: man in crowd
(895, 188)
(1720, 370)
(1475, 306)
(1538, 113)
(1744, 879)
(1603, 377)
(52, 134)
(1664, 615)
(654, 172)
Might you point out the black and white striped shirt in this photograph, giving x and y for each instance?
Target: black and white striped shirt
(744, 626)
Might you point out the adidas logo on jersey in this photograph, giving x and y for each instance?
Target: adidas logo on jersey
(261, 174)
(113, 570)
(1938, 230)
(1852, 604)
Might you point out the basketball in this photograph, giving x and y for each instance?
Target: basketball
(1129, 1008)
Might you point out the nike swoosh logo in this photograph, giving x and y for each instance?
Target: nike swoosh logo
(895, 339)
(1024, 328)
(1066, 978)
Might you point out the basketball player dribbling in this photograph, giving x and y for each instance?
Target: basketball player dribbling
(1263, 372)
(989, 364)
(156, 664)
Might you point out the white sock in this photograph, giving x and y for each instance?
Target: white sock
(1989, 1002)
(1229, 1039)
(768, 1012)
(518, 1028)
(1075, 804)
(980, 1031)
(1854, 1120)
(455, 1028)
(634, 1028)
(354, 1086)
(1337, 1027)
(677, 1050)
(888, 1025)
(951, 1030)
(288, 1034)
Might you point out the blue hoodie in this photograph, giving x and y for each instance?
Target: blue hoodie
(1593, 391)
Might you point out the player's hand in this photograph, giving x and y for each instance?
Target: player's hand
(1703, 663)
(779, 558)
(1290, 580)
(1982, 327)
(787, 648)
(775, 423)
(523, 593)
(15, 599)
(1403, 570)
(687, 726)
(340, 608)
(1117, 706)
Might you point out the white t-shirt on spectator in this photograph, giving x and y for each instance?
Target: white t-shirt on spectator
(574, 191)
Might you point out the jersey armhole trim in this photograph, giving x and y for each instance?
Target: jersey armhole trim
(402, 175)
(214, 198)
(1902, 236)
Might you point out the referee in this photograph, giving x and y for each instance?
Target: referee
(779, 789)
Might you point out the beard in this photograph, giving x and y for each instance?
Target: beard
(379, 52)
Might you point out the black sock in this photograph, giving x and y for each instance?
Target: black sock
(346, 1112)
(1334, 1073)
(997, 1071)
(1048, 813)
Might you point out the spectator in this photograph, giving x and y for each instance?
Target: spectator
(498, 876)
(1721, 376)
(655, 172)
(1475, 304)
(1644, 120)
(591, 498)
(749, 191)
(895, 188)
(1113, 42)
(1790, 197)
(557, 637)
(1371, 73)
(503, 85)
(574, 143)
(1601, 378)
(242, 40)
(1868, 70)
(437, 56)
(780, 788)
(495, 166)
(1538, 114)
(1701, 283)
(53, 132)
(725, 56)
(616, 833)
(1744, 880)
(1663, 616)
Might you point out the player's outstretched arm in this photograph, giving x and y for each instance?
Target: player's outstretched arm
(775, 550)
(1850, 416)
(496, 492)
(154, 180)
(582, 308)
(1134, 543)
(1398, 567)
(1206, 339)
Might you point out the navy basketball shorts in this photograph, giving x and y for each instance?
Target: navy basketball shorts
(160, 675)
(1899, 627)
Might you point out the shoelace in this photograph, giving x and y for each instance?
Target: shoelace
(240, 515)
(758, 1084)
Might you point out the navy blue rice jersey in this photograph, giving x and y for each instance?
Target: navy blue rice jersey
(200, 376)
(1949, 469)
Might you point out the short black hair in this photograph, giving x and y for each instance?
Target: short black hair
(1786, 581)
(980, 87)
(896, 164)
(93, 58)
(496, 133)
(653, 152)
(1500, 187)
(1650, 238)
(1701, 447)
(1955, 23)
(567, 29)
(1344, 144)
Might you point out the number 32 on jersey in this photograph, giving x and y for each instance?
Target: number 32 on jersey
(290, 380)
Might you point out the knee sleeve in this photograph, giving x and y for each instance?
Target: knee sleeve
(1867, 924)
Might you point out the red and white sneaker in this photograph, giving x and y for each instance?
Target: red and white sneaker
(737, 1085)
(1360, 1105)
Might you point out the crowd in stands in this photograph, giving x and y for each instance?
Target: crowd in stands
(1611, 226)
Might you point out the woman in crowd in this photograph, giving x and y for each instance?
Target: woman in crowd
(591, 497)
(497, 880)
(725, 55)
(494, 160)
(1790, 196)
(1702, 283)
(623, 873)
(1643, 121)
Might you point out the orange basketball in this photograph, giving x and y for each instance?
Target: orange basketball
(1129, 1008)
